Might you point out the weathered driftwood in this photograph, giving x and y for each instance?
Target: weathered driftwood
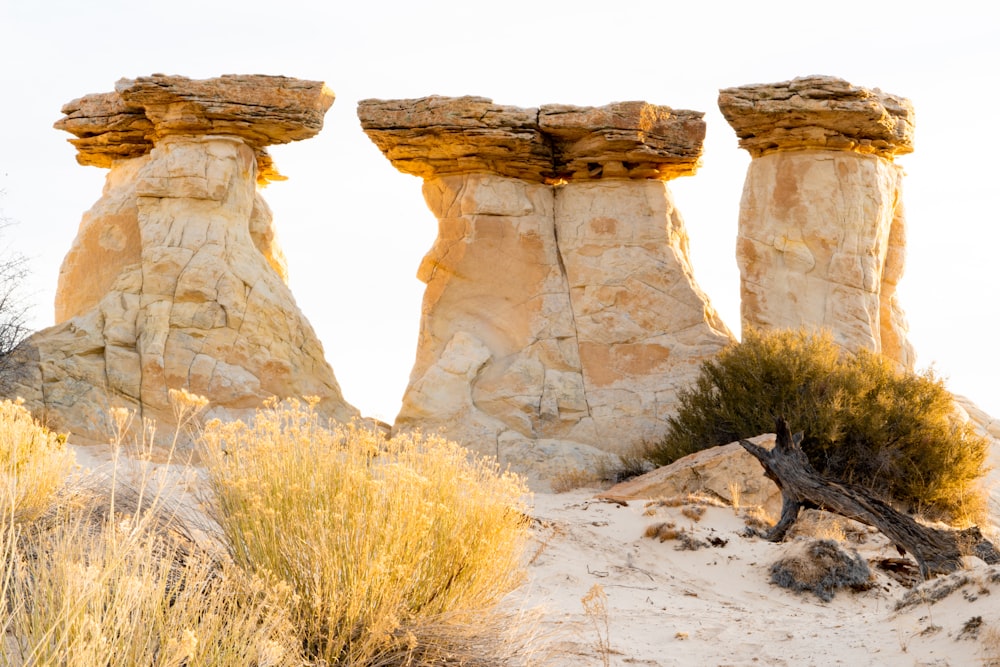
(936, 551)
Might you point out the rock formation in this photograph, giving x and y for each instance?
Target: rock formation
(727, 473)
(821, 229)
(561, 314)
(175, 279)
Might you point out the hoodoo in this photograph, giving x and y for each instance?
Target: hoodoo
(561, 314)
(821, 230)
(175, 279)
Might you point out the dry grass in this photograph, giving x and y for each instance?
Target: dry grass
(574, 478)
(595, 604)
(344, 549)
(395, 550)
(108, 575)
(33, 463)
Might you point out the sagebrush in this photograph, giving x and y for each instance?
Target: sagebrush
(345, 549)
(388, 545)
(864, 421)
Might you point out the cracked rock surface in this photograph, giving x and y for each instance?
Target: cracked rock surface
(175, 279)
(561, 314)
(822, 228)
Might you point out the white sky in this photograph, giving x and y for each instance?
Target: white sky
(354, 229)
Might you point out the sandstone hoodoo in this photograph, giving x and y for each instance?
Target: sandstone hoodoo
(175, 279)
(822, 230)
(561, 313)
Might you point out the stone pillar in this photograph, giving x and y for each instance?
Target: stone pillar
(175, 279)
(821, 229)
(561, 313)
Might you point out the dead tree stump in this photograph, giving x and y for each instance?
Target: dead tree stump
(936, 551)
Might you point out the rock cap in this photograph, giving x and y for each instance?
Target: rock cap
(818, 112)
(260, 109)
(439, 136)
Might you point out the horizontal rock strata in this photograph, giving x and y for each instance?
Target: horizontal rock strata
(818, 112)
(440, 136)
(261, 110)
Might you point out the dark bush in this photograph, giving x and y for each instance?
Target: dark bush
(822, 567)
(865, 422)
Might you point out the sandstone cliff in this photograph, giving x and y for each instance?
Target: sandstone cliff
(561, 313)
(175, 279)
(821, 238)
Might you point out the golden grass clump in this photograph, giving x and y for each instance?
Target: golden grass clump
(89, 590)
(34, 463)
(395, 550)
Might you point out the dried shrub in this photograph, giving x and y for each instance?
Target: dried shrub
(110, 576)
(390, 546)
(865, 422)
(34, 463)
(574, 478)
(822, 567)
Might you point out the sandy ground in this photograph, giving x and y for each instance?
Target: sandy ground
(714, 605)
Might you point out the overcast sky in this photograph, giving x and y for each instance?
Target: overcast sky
(354, 229)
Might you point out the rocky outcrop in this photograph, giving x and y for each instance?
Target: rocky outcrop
(727, 473)
(561, 313)
(175, 279)
(822, 228)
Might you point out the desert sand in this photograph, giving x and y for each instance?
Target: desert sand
(713, 605)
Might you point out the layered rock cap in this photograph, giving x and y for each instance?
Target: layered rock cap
(260, 109)
(818, 112)
(439, 136)
(175, 279)
(561, 314)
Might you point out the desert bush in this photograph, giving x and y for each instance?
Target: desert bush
(821, 567)
(109, 576)
(34, 462)
(85, 587)
(388, 545)
(864, 422)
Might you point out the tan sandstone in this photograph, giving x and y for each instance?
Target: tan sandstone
(727, 473)
(175, 279)
(561, 314)
(821, 239)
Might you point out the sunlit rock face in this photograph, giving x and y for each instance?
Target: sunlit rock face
(175, 279)
(821, 238)
(561, 314)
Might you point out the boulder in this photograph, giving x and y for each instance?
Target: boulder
(727, 473)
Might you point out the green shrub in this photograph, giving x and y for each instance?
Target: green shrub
(864, 421)
(396, 550)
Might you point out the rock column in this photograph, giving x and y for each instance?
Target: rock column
(821, 228)
(175, 279)
(561, 314)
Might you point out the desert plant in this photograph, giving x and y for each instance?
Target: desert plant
(821, 567)
(34, 462)
(88, 587)
(595, 604)
(389, 545)
(864, 421)
(109, 575)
